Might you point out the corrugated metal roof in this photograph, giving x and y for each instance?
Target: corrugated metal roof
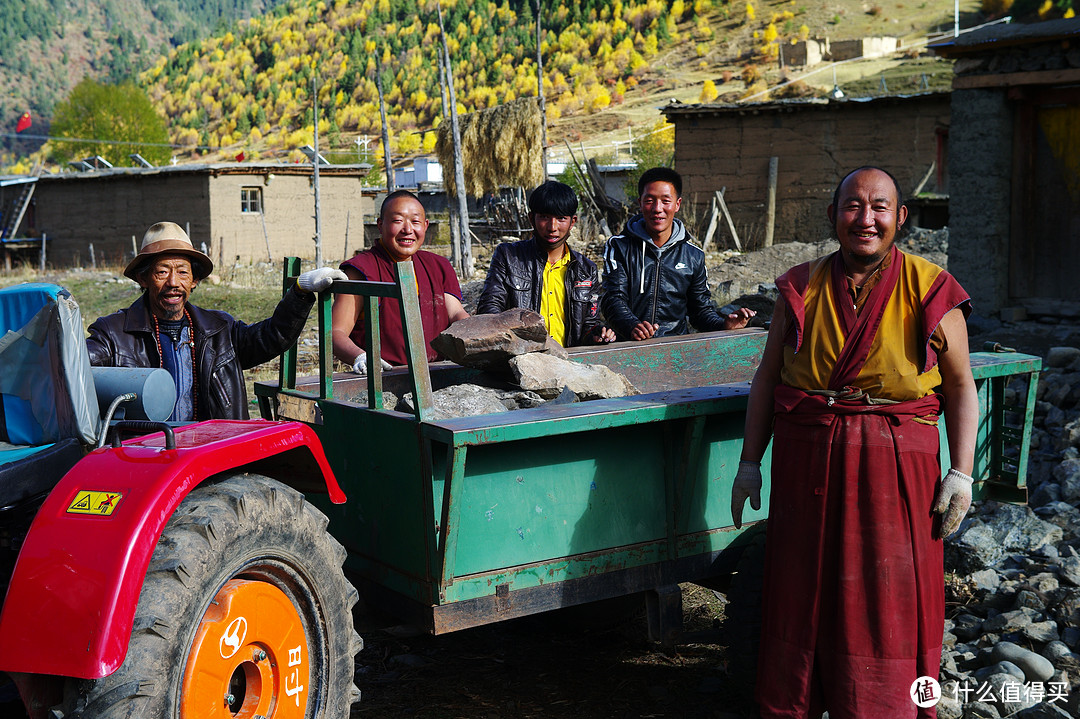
(1000, 36)
(789, 105)
(216, 168)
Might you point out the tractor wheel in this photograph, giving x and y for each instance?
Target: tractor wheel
(245, 613)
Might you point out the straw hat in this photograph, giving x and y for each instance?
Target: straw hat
(169, 238)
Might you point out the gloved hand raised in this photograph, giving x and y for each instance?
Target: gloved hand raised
(320, 279)
(953, 500)
(359, 365)
(747, 484)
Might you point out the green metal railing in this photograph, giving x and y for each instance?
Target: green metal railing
(415, 352)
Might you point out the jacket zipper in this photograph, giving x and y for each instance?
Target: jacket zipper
(656, 287)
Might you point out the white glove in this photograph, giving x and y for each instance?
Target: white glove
(747, 484)
(953, 501)
(318, 280)
(359, 365)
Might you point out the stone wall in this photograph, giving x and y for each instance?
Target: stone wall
(980, 166)
(289, 212)
(816, 143)
(106, 209)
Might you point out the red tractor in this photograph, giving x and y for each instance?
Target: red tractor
(176, 573)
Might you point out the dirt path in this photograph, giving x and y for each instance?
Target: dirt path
(556, 666)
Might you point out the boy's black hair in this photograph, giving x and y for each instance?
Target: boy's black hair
(660, 174)
(553, 198)
(393, 196)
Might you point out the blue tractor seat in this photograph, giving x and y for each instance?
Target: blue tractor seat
(48, 408)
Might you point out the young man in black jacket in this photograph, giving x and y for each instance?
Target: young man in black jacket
(654, 275)
(543, 273)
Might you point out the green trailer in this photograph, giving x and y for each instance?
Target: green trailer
(456, 523)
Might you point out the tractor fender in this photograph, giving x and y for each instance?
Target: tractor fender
(70, 605)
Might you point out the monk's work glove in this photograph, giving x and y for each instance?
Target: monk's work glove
(747, 484)
(359, 365)
(953, 501)
(320, 279)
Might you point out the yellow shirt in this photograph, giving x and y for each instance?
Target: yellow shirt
(892, 369)
(553, 298)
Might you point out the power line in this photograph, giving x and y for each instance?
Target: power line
(48, 138)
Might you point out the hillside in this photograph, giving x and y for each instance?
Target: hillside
(608, 66)
(49, 45)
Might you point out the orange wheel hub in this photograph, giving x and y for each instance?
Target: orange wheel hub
(249, 657)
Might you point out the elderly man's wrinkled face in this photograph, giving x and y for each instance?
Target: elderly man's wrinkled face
(867, 216)
(169, 282)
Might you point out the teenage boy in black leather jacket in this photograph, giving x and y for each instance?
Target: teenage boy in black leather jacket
(543, 273)
(654, 275)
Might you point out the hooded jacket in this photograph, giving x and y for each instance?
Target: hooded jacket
(224, 348)
(516, 279)
(663, 285)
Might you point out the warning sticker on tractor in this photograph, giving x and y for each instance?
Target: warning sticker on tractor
(92, 502)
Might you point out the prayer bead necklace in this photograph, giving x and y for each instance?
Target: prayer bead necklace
(191, 342)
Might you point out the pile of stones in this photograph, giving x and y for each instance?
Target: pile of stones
(1013, 575)
(522, 368)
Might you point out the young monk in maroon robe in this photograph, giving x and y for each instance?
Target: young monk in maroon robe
(867, 349)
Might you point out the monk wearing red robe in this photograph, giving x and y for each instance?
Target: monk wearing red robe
(867, 349)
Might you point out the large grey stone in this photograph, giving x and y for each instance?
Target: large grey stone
(949, 708)
(981, 710)
(1009, 694)
(984, 541)
(1046, 493)
(1070, 570)
(1062, 514)
(459, 400)
(1036, 668)
(985, 579)
(1056, 651)
(1002, 667)
(547, 375)
(1012, 621)
(489, 341)
(1062, 356)
(967, 627)
(520, 399)
(1041, 632)
(1067, 474)
(1043, 710)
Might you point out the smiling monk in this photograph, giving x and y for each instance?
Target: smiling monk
(402, 225)
(867, 350)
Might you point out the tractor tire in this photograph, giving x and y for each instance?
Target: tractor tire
(245, 612)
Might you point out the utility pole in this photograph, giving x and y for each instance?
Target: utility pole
(455, 226)
(385, 129)
(540, 93)
(315, 172)
(466, 268)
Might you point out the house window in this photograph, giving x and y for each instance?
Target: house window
(251, 199)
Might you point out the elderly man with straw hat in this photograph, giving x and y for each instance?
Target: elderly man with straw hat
(205, 351)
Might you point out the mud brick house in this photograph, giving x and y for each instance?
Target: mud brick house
(238, 212)
(815, 142)
(1014, 165)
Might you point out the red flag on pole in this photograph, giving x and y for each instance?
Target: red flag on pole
(23, 123)
(240, 157)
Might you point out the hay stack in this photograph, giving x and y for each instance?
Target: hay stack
(499, 147)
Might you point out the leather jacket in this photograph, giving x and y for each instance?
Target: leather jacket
(663, 285)
(516, 279)
(224, 348)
